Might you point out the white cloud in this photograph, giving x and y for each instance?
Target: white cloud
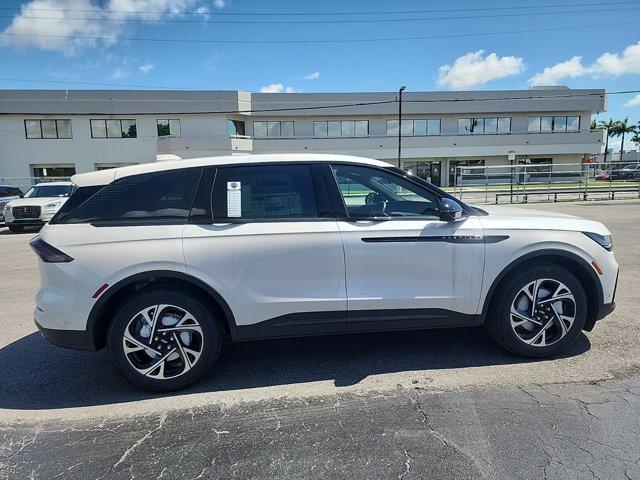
(119, 73)
(615, 64)
(633, 102)
(606, 65)
(551, 75)
(146, 68)
(312, 76)
(60, 20)
(277, 88)
(473, 69)
(221, 3)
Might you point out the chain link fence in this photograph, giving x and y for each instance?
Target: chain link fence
(524, 183)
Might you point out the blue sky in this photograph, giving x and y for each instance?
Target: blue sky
(595, 45)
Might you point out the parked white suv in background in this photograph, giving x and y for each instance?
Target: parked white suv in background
(158, 262)
(37, 206)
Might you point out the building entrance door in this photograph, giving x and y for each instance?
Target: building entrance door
(429, 170)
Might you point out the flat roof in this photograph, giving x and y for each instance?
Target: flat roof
(150, 102)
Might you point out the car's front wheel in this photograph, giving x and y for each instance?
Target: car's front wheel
(163, 339)
(539, 311)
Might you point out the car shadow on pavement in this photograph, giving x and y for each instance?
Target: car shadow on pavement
(35, 375)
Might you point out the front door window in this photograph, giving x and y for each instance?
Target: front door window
(373, 193)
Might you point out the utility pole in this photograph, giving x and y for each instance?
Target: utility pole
(402, 88)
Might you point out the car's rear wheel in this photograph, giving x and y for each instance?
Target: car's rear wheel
(539, 312)
(163, 339)
(16, 228)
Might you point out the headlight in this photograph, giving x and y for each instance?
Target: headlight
(604, 241)
(7, 208)
(53, 205)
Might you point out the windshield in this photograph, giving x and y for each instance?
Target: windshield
(49, 191)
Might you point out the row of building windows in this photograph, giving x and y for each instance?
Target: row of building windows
(112, 128)
(554, 124)
(126, 128)
(414, 127)
(341, 128)
(480, 126)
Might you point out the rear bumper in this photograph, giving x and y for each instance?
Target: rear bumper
(76, 339)
(605, 309)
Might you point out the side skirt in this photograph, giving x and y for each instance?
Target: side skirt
(307, 324)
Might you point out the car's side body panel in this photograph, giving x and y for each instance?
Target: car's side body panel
(413, 264)
(102, 255)
(267, 270)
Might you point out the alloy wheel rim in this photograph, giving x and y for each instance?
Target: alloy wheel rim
(542, 312)
(163, 341)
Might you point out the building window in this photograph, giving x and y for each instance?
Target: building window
(540, 165)
(48, 128)
(235, 128)
(341, 128)
(489, 125)
(504, 125)
(414, 127)
(169, 127)
(554, 124)
(457, 174)
(273, 130)
(53, 171)
(125, 128)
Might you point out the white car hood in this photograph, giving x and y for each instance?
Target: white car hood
(508, 211)
(38, 201)
(508, 217)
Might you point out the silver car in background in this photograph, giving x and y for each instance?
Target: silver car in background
(8, 193)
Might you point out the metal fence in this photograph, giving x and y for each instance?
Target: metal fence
(524, 183)
(25, 183)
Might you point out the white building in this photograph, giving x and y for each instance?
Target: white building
(61, 132)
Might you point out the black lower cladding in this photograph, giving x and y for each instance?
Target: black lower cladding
(328, 323)
(76, 339)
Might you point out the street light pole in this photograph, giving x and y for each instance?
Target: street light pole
(402, 88)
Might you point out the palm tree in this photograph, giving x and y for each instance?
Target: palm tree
(607, 126)
(621, 128)
(636, 137)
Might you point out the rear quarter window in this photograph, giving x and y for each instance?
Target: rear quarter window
(155, 197)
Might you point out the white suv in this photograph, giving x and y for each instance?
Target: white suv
(158, 262)
(37, 206)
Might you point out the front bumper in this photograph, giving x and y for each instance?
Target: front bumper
(76, 339)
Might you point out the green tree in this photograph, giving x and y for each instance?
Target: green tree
(620, 129)
(608, 126)
(636, 136)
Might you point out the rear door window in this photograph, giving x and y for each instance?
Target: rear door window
(158, 197)
(262, 192)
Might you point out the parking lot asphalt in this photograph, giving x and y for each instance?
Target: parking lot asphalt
(433, 404)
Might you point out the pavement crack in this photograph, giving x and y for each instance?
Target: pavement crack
(407, 463)
(137, 443)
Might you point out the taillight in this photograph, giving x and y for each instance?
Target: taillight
(48, 253)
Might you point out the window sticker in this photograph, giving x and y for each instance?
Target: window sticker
(234, 199)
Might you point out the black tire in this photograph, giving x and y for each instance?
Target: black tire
(498, 322)
(185, 299)
(16, 228)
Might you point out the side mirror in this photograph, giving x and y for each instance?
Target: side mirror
(450, 210)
